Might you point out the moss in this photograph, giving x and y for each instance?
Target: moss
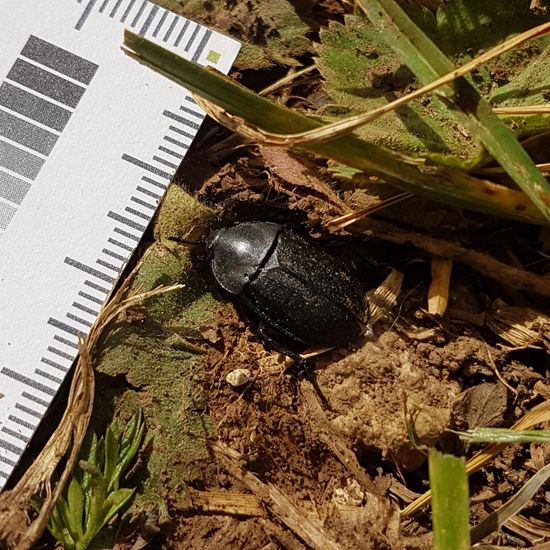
(146, 360)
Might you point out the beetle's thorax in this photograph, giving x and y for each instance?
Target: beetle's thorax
(237, 253)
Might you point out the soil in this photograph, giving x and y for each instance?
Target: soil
(437, 374)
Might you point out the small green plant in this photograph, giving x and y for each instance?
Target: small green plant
(93, 496)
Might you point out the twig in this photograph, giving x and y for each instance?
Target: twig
(518, 278)
(308, 529)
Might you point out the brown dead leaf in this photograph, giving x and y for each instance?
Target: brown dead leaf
(301, 177)
(481, 406)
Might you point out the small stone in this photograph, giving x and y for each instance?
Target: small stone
(238, 377)
(351, 495)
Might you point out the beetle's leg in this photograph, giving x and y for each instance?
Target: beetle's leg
(271, 342)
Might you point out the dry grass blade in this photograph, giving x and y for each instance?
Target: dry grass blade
(347, 219)
(17, 532)
(385, 296)
(438, 293)
(282, 82)
(537, 415)
(520, 326)
(429, 64)
(499, 517)
(345, 126)
(238, 504)
(522, 111)
(544, 168)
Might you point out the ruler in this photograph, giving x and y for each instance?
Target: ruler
(89, 141)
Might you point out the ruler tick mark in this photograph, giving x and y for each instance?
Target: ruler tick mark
(112, 254)
(160, 23)
(171, 28)
(201, 46)
(66, 328)
(139, 14)
(103, 6)
(85, 309)
(7, 461)
(34, 399)
(74, 317)
(89, 270)
(149, 20)
(96, 287)
(56, 351)
(137, 213)
(11, 447)
(115, 9)
(143, 203)
(154, 182)
(21, 422)
(160, 160)
(170, 152)
(108, 265)
(146, 166)
(48, 376)
(28, 382)
(28, 411)
(127, 222)
(54, 364)
(126, 234)
(128, 10)
(182, 32)
(120, 245)
(192, 39)
(62, 340)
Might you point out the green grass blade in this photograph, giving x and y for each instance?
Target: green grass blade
(428, 63)
(453, 187)
(450, 507)
(505, 435)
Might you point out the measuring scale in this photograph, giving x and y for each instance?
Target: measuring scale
(89, 140)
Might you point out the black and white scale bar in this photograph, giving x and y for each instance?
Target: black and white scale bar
(151, 20)
(39, 98)
(41, 70)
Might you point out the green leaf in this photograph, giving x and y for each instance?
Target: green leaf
(58, 530)
(75, 505)
(98, 494)
(450, 509)
(453, 187)
(428, 63)
(116, 501)
(363, 73)
(128, 447)
(111, 456)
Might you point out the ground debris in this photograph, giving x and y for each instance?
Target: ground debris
(518, 325)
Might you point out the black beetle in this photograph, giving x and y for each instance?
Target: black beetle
(291, 283)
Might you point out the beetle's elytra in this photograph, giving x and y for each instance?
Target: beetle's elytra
(291, 283)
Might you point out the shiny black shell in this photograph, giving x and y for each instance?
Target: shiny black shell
(290, 282)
